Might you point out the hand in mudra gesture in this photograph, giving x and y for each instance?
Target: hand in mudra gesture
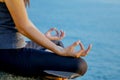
(59, 35)
(70, 50)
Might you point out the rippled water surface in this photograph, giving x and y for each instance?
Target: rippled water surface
(91, 21)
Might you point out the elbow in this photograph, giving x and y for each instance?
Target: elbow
(22, 27)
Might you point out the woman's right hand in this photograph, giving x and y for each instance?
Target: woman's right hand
(70, 50)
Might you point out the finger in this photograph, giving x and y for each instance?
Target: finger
(49, 31)
(81, 45)
(53, 28)
(62, 34)
(57, 32)
(75, 43)
(88, 49)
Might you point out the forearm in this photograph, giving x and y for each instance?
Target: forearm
(35, 35)
(24, 33)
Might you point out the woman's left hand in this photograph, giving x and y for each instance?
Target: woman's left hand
(59, 35)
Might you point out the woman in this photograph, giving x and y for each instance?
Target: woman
(15, 58)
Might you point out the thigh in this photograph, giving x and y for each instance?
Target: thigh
(31, 62)
(47, 60)
(43, 60)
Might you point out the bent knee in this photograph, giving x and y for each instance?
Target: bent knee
(82, 66)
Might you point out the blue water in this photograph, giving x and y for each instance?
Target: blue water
(91, 21)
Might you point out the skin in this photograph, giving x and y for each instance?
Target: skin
(27, 28)
(58, 36)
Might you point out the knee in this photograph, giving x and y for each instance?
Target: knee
(82, 67)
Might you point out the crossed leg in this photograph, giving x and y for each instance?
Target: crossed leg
(31, 44)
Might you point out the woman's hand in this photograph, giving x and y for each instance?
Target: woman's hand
(59, 35)
(70, 50)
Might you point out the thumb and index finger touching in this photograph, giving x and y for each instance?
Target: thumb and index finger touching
(54, 29)
(81, 46)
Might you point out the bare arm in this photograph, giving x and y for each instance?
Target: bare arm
(25, 26)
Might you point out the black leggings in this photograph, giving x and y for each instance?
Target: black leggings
(32, 62)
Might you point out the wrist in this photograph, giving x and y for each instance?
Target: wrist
(60, 51)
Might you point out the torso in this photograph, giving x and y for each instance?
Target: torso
(9, 36)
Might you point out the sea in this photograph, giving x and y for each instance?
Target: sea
(95, 22)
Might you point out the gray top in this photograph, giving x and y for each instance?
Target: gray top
(9, 36)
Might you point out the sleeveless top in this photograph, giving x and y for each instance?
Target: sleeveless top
(10, 38)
